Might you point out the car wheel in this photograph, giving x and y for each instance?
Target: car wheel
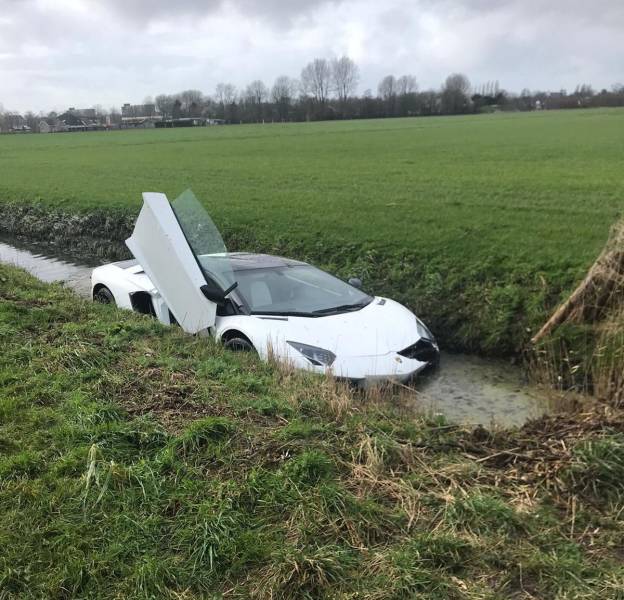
(239, 344)
(104, 296)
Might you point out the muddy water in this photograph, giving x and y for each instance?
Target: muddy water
(465, 389)
(470, 389)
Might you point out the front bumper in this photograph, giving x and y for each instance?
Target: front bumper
(369, 370)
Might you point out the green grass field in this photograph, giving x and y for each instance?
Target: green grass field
(138, 462)
(495, 214)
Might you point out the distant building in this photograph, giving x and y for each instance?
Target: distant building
(15, 123)
(139, 123)
(132, 111)
(139, 115)
(70, 121)
(50, 125)
(182, 122)
(84, 113)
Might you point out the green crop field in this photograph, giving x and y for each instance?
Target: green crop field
(138, 462)
(496, 215)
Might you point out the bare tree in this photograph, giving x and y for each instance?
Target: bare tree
(164, 104)
(225, 95)
(406, 84)
(406, 103)
(429, 102)
(316, 79)
(457, 82)
(190, 99)
(32, 121)
(284, 89)
(256, 94)
(282, 94)
(387, 88)
(345, 76)
(584, 90)
(455, 94)
(176, 111)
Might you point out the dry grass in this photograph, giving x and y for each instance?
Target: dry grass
(588, 355)
(600, 291)
(608, 362)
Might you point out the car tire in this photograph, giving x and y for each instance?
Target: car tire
(238, 344)
(104, 296)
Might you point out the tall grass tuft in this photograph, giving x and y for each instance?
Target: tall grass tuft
(598, 467)
(581, 346)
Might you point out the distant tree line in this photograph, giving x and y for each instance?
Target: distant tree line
(327, 90)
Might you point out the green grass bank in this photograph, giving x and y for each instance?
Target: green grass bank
(480, 223)
(136, 462)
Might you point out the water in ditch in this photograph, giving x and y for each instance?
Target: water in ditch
(470, 389)
(48, 265)
(465, 388)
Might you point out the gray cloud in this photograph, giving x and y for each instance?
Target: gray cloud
(145, 11)
(55, 53)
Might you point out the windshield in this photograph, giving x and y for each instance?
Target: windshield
(204, 239)
(300, 289)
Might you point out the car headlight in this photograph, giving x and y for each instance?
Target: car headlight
(317, 356)
(423, 330)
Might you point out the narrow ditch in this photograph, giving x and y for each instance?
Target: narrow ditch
(466, 388)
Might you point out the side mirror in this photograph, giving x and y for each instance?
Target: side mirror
(214, 293)
(356, 282)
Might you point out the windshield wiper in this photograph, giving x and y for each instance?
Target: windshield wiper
(341, 308)
(282, 313)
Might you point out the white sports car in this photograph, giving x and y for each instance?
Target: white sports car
(275, 306)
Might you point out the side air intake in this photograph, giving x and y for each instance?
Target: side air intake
(423, 350)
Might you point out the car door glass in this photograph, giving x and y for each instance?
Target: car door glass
(204, 238)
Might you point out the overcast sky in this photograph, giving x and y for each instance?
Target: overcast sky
(60, 53)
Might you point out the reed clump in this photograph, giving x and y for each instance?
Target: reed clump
(581, 345)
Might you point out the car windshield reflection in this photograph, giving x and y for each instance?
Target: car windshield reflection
(299, 289)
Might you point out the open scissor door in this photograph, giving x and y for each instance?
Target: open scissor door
(163, 250)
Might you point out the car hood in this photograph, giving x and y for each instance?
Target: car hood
(381, 327)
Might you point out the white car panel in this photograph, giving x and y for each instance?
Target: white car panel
(162, 250)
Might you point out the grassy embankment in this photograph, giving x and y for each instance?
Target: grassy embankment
(482, 224)
(139, 462)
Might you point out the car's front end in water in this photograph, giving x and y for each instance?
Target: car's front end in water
(382, 341)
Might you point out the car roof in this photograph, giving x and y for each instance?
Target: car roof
(240, 261)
